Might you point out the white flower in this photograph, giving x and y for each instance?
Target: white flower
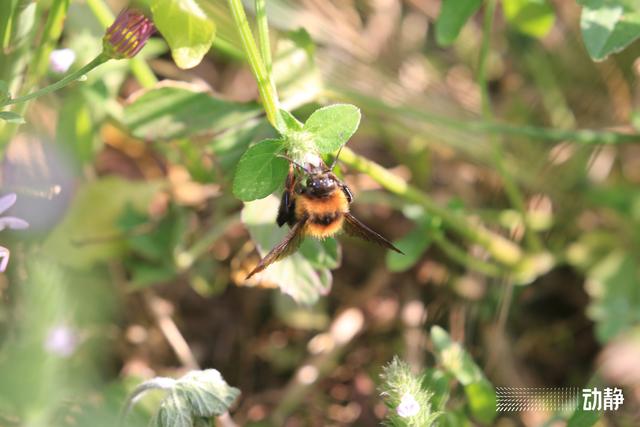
(408, 406)
(61, 59)
(61, 341)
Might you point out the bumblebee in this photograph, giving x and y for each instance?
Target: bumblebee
(316, 207)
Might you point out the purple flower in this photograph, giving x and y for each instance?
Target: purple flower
(10, 222)
(61, 59)
(61, 341)
(127, 35)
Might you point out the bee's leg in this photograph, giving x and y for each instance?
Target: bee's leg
(347, 192)
(287, 203)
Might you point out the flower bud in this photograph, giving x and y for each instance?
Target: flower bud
(127, 35)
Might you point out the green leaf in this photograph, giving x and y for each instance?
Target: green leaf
(482, 400)
(173, 112)
(287, 123)
(260, 172)
(294, 70)
(321, 253)
(608, 26)
(295, 275)
(480, 393)
(531, 17)
(331, 127)
(453, 15)
(11, 117)
(89, 232)
(613, 287)
(187, 29)
(199, 394)
(413, 245)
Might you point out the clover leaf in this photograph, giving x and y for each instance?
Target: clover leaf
(260, 171)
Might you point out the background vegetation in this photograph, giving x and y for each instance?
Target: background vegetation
(495, 142)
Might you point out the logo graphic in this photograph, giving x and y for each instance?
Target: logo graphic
(520, 399)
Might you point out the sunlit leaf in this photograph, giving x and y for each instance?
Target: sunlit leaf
(177, 111)
(260, 172)
(331, 127)
(453, 15)
(532, 17)
(608, 26)
(187, 29)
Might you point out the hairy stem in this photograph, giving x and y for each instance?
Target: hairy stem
(502, 249)
(267, 91)
(98, 60)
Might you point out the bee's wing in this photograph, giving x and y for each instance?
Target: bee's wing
(289, 245)
(355, 228)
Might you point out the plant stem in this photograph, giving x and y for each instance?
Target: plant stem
(50, 36)
(267, 91)
(502, 249)
(463, 258)
(263, 35)
(511, 188)
(139, 67)
(98, 60)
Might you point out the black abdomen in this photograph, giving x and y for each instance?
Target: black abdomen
(325, 218)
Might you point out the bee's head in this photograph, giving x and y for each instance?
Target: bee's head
(321, 184)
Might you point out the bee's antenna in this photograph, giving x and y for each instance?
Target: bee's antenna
(284, 156)
(335, 160)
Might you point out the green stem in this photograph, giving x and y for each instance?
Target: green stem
(502, 249)
(98, 60)
(511, 189)
(50, 36)
(267, 91)
(139, 67)
(463, 258)
(263, 34)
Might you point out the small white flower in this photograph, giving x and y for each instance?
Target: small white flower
(61, 341)
(408, 406)
(61, 59)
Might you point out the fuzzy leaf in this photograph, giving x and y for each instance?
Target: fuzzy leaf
(608, 26)
(187, 29)
(260, 172)
(331, 127)
(287, 123)
(199, 394)
(453, 15)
